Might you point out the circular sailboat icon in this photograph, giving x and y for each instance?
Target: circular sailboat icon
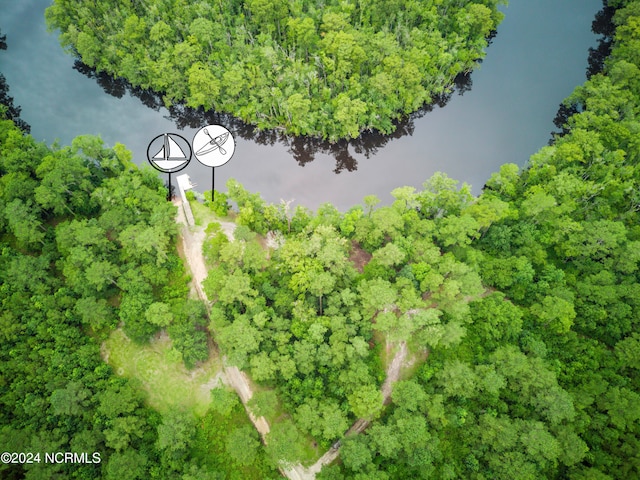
(169, 152)
(213, 145)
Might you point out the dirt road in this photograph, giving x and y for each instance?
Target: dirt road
(360, 425)
(393, 372)
(193, 238)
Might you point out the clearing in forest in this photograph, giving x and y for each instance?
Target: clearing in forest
(161, 372)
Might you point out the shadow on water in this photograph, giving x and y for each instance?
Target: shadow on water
(302, 148)
(12, 112)
(602, 25)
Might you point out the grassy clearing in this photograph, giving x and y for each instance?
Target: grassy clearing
(203, 215)
(162, 374)
(311, 450)
(384, 356)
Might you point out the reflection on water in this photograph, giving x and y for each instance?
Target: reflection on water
(13, 111)
(303, 148)
(602, 25)
(536, 61)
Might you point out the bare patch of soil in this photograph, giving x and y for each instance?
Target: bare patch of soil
(358, 256)
(393, 372)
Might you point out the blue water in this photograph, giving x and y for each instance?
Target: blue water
(535, 61)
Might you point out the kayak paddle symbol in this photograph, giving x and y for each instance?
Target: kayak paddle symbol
(213, 145)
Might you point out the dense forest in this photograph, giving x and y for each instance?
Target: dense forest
(331, 69)
(87, 242)
(519, 311)
(524, 302)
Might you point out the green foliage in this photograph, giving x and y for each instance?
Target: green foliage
(227, 446)
(355, 454)
(176, 433)
(366, 402)
(215, 240)
(223, 401)
(332, 69)
(524, 301)
(303, 321)
(159, 314)
(322, 419)
(243, 444)
(87, 240)
(128, 464)
(534, 374)
(220, 204)
(284, 443)
(264, 403)
(190, 342)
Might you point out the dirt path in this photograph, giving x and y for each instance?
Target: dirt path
(193, 238)
(360, 425)
(227, 228)
(393, 372)
(238, 380)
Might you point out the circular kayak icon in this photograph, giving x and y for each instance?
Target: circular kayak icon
(213, 145)
(169, 152)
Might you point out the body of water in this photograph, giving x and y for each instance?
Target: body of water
(537, 58)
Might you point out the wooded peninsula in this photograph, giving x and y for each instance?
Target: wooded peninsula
(511, 318)
(331, 69)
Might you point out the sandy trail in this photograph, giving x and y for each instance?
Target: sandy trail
(360, 425)
(393, 372)
(193, 238)
(192, 241)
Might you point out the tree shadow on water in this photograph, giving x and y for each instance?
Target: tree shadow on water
(303, 148)
(11, 111)
(603, 25)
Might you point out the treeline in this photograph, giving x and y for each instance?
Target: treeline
(330, 69)
(521, 307)
(87, 242)
(524, 300)
(545, 382)
(310, 322)
(7, 108)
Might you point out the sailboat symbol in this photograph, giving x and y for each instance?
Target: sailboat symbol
(171, 156)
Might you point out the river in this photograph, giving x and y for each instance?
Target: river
(537, 58)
